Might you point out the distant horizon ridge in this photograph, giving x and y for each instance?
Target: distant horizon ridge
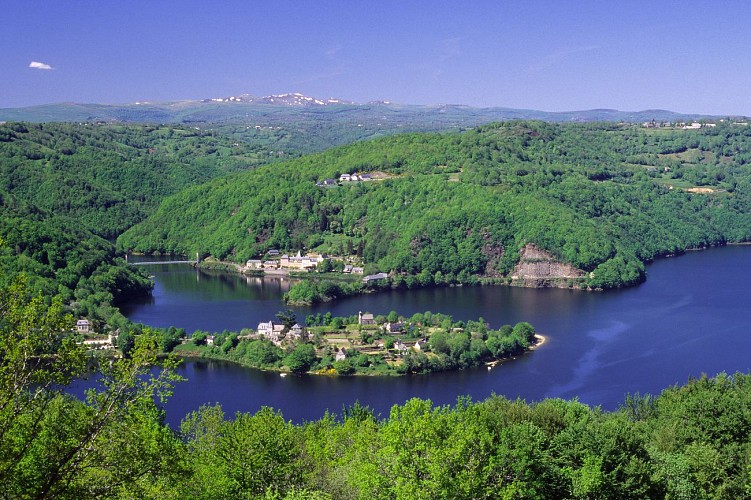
(294, 107)
(289, 98)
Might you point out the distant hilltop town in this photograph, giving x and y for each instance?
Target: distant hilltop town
(348, 178)
(686, 126)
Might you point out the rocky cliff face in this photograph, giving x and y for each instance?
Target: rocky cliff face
(537, 268)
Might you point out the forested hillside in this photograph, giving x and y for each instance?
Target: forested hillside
(64, 188)
(60, 258)
(111, 176)
(453, 207)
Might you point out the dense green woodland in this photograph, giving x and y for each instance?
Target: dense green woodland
(111, 176)
(455, 207)
(66, 187)
(689, 442)
(60, 258)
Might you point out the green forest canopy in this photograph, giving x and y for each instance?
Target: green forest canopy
(111, 176)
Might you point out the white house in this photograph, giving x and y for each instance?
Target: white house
(271, 331)
(374, 277)
(297, 332)
(421, 344)
(365, 319)
(265, 328)
(397, 327)
(401, 346)
(83, 325)
(108, 343)
(300, 261)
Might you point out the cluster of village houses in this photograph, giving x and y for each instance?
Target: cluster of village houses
(298, 262)
(308, 262)
(346, 178)
(396, 327)
(684, 125)
(277, 334)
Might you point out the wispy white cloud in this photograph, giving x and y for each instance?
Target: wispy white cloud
(557, 56)
(39, 65)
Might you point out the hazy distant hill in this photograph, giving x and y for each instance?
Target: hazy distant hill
(247, 108)
(295, 123)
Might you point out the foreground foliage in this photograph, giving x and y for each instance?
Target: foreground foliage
(677, 445)
(689, 442)
(51, 444)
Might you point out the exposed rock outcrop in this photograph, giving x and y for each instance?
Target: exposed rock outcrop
(538, 269)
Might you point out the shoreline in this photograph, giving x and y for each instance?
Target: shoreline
(520, 283)
(541, 339)
(235, 268)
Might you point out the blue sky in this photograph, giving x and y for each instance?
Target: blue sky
(686, 56)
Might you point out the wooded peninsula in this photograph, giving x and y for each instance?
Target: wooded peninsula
(365, 344)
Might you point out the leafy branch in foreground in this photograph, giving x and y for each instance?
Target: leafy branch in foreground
(52, 444)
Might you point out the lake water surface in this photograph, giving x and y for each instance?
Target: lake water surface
(690, 317)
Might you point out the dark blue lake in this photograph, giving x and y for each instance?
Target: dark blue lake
(690, 317)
